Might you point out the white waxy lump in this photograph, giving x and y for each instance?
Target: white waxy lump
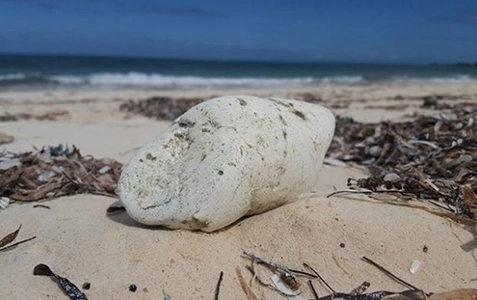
(226, 158)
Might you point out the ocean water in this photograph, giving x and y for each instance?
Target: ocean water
(87, 72)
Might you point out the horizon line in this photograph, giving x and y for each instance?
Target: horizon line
(251, 61)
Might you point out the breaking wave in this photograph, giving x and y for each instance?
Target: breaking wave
(143, 80)
(160, 81)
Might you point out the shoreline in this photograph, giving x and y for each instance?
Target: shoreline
(327, 91)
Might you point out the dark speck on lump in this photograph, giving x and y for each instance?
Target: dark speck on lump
(150, 157)
(299, 114)
(282, 120)
(242, 102)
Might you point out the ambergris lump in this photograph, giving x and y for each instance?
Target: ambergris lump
(226, 158)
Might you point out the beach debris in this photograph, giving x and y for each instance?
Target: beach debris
(114, 209)
(284, 288)
(292, 290)
(217, 287)
(361, 288)
(104, 169)
(86, 286)
(425, 249)
(415, 265)
(132, 288)
(5, 138)
(284, 279)
(54, 172)
(389, 274)
(334, 162)
(41, 205)
(245, 287)
(16, 244)
(313, 290)
(8, 163)
(317, 275)
(256, 153)
(161, 108)
(170, 108)
(6, 242)
(385, 295)
(308, 97)
(430, 158)
(166, 296)
(51, 115)
(10, 237)
(67, 286)
(4, 202)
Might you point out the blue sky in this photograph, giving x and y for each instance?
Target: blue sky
(416, 31)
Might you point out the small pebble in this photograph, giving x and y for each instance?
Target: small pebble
(86, 285)
(342, 245)
(132, 288)
(416, 264)
(425, 249)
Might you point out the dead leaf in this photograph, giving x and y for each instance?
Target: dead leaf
(10, 237)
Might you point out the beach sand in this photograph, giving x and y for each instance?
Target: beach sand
(79, 241)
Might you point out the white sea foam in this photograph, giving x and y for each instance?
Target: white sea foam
(69, 79)
(160, 81)
(434, 80)
(165, 81)
(14, 76)
(168, 81)
(344, 80)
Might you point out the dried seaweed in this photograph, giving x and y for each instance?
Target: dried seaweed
(42, 206)
(17, 243)
(169, 108)
(429, 157)
(56, 171)
(355, 294)
(317, 275)
(49, 115)
(161, 108)
(245, 288)
(6, 242)
(67, 286)
(10, 237)
(217, 288)
(391, 275)
(408, 295)
(277, 269)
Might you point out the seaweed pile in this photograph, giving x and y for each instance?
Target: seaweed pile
(161, 108)
(168, 108)
(430, 157)
(56, 171)
(52, 115)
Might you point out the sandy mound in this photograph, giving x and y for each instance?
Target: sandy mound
(78, 241)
